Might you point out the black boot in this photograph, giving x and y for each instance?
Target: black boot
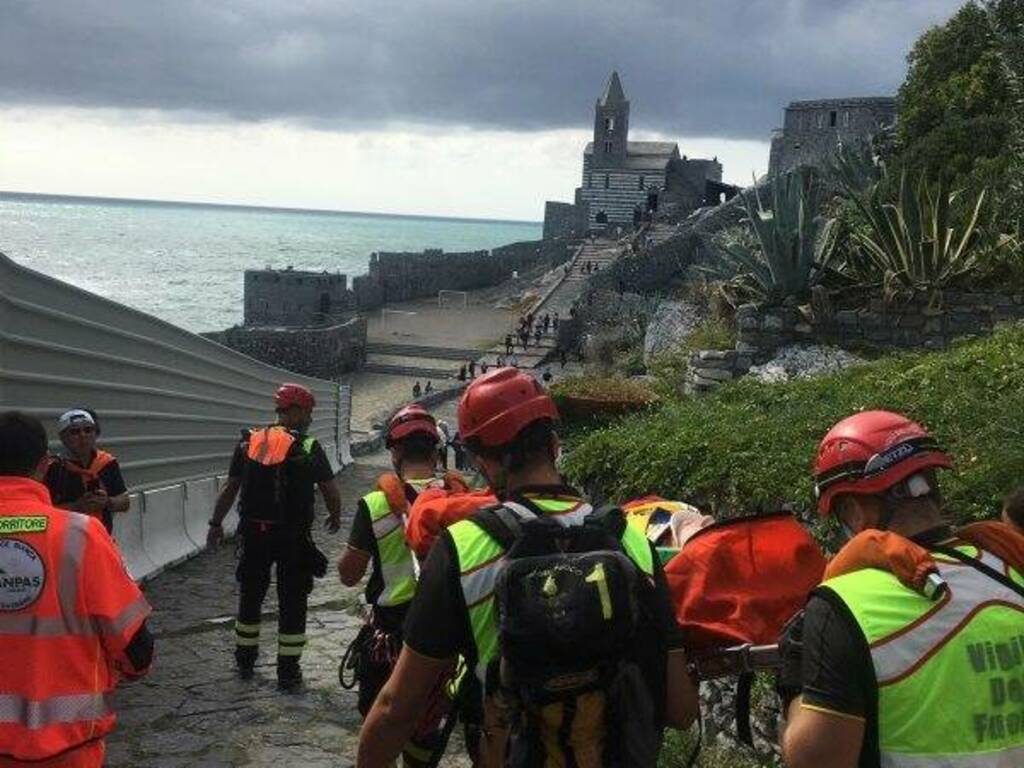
(245, 658)
(289, 674)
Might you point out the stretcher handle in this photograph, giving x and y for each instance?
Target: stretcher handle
(737, 660)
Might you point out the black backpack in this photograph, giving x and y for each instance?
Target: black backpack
(568, 611)
(275, 489)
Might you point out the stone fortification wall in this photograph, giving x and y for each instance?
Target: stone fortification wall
(812, 130)
(295, 298)
(325, 352)
(559, 220)
(404, 276)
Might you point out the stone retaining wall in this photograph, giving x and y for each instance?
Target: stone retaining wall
(913, 324)
(323, 352)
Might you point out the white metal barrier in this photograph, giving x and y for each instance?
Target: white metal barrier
(171, 403)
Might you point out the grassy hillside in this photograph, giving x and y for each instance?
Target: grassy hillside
(752, 443)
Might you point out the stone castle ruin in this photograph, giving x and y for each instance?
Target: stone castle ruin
(310, 322)
(290, 297)
(812, 131)
(624, 180)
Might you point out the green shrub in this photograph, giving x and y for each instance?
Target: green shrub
(712, 334)
(668, 369)
(752, 443)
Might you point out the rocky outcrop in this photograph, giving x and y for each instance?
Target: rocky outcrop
(797, 361)
(669, 326)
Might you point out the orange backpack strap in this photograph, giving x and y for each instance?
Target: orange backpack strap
(1001, 539)
(909, 562)
(393, 488)
(270, 445)
(455, 482)
(101, 461)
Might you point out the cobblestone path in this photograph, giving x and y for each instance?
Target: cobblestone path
(192, 710)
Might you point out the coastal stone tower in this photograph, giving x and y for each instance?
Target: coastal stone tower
(289, 297)
(623, 178)
(813, 130)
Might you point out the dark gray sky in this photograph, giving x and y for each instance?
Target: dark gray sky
(710, 68)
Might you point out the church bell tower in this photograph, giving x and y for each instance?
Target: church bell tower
(611, 125)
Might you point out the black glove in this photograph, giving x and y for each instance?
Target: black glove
(789, 679)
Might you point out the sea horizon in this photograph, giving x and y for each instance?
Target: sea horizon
(10, 194)
(185, 261)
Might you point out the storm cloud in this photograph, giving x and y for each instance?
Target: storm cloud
(702, 68)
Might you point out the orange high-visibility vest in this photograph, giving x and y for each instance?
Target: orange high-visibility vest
(68, 609)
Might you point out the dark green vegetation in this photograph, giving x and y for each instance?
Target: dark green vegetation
(955, 104)
(751, 444)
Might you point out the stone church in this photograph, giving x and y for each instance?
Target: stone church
(623, 178)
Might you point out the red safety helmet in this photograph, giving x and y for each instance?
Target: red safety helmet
(496, 406)
(869, 453)
(408, 421)
(289, 395)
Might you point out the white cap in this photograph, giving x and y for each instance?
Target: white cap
(73, 418)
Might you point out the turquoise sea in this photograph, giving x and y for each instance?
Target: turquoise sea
(183, 262)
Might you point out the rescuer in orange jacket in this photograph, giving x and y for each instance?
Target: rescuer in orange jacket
(82, 478)
(72, 621)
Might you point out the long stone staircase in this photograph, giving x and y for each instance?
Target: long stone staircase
(432, 362)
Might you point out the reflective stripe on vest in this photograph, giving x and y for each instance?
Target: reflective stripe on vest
(396, 559)
(950, 672)
(69, 708)
(481, 559)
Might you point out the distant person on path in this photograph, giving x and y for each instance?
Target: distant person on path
(563, 356)
(1013, 509)
(483, 367)
(500, 361)
(462, 372)
(547, 375)
(472, 369)
(429, 388)
(514, 362)
(76, 622)
(508, 343)
(275, 528)
(537, 334)
(444, 438)
(82, 478)
(417, 390)
(460, 452)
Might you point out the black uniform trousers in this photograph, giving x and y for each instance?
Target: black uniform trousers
(285, 546)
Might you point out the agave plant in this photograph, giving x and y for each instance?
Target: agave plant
(913, 241)
(786, 246)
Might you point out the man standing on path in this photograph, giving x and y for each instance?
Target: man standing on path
(72, 620)
(276, 469)
(378, 538)
(881, 672)
(84, 479)
(506, 420)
